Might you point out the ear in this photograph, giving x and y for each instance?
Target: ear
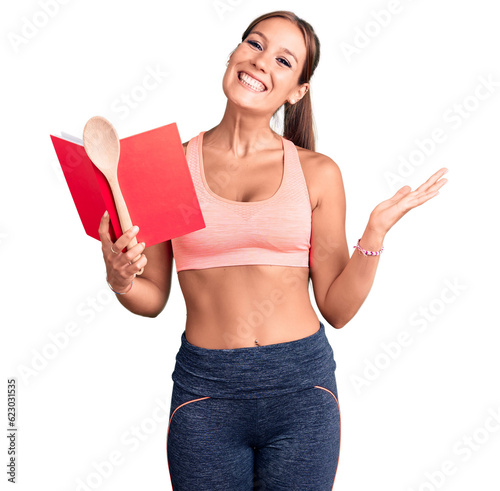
(298, 94)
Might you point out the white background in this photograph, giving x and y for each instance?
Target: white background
(403, 417)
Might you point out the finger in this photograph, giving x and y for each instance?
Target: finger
(437, 185)
(126, 238)
(401, 193)
(435, 177)
(422, 198)
(134, 253)
(431, 189)
(104, 229)
(134, 267)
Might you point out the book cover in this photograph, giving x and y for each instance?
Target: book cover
(154, 179)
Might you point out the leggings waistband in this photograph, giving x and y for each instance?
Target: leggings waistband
(263, 371)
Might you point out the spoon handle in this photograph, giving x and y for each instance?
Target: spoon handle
(123, 214)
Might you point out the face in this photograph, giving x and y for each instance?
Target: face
(264, 70)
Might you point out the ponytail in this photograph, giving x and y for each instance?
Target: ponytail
(299, 123)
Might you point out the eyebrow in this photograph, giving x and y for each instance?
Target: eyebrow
(282, 49)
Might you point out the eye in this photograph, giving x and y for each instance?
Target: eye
(255, 44)
(285, 62)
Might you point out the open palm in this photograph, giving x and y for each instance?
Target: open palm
(387, 213)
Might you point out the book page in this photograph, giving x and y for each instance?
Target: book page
(71, 138)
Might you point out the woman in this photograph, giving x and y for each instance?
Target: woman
(254, 401)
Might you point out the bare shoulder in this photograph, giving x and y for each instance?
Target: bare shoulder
(322, 174)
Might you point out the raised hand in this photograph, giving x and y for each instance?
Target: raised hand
(387, 213)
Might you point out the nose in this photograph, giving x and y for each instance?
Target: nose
(261, 62)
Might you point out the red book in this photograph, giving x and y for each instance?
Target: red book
(154, 179)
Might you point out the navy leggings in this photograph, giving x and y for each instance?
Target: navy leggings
(265, 417)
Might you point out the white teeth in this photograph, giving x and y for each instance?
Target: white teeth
(251, 82)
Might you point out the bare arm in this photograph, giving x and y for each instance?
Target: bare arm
(342, 283)
(347, 293)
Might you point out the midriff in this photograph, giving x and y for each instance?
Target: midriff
(235, 306)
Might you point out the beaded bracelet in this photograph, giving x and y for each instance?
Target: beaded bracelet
(367, 253)
(118, 293)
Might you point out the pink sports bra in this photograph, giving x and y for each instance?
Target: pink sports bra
(273, 231)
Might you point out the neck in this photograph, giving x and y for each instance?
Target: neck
(242, 133)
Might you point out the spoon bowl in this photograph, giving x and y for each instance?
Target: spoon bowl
(102, 144)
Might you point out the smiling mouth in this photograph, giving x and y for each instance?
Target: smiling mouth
(251, 82)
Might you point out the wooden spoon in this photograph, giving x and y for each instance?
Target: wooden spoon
(102, 145)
